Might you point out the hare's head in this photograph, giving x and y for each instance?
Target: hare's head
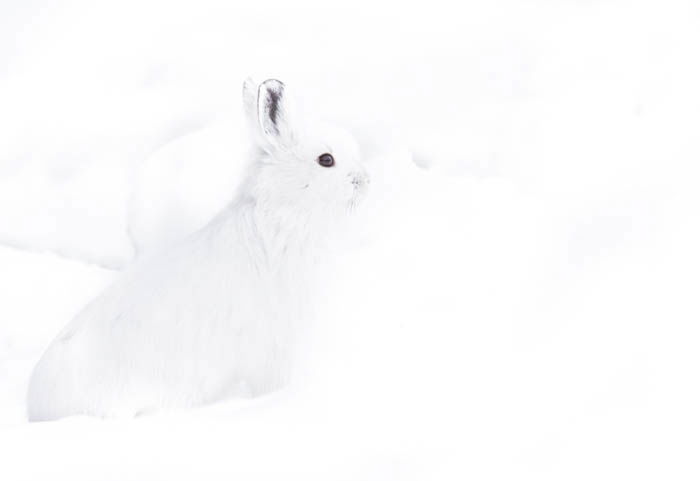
(301, 165)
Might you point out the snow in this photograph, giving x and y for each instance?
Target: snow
(524, 309)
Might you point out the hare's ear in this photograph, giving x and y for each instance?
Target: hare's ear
(250, 101)
(273, 114)
(250, 110)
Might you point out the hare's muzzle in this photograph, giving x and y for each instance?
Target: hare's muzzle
(359, 180)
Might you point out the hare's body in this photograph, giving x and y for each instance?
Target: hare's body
(208, 320)
(216, 315)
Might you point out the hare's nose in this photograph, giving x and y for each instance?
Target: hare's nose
(359, 179)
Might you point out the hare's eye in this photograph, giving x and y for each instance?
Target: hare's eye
(326, 160)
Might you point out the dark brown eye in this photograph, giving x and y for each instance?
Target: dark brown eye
(326, 160)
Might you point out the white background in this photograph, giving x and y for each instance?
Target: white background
(525, 308)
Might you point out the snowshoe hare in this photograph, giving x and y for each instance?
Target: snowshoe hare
(214, 316)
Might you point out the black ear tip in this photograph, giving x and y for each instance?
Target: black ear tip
(270, 101)
(273, 85)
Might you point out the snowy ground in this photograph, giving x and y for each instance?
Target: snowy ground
(526, 308)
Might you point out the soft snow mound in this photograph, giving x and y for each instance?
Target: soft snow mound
(185, 183)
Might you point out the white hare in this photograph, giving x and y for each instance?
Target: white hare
(215, 315)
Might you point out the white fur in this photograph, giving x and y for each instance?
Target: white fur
(218, 314)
